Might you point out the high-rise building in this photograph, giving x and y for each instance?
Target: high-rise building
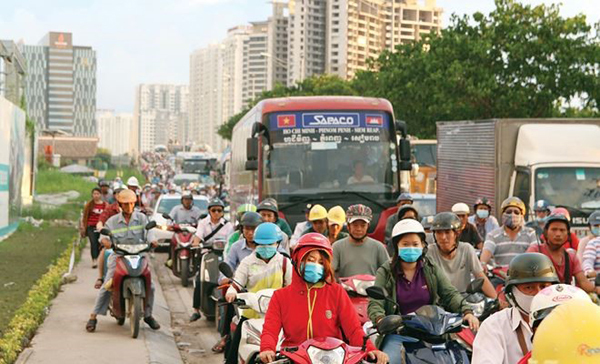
(255, 62)
(113, 131)
(277, 44)
(158, 114)
(232, 60)
(60, 86)
(12, 72)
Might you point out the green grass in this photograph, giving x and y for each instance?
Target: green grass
(54, 181)
(68, 211)
(24, 257)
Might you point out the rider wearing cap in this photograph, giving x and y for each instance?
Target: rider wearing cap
(358, 254)
(336, 219)
(468, 231)
(107, 194)
(505, 336)
(458, 259)
(482, 218)
(313, 306)
(565, 261)
(318, 220)
(235, 236)
(269, 212)
(186, 213)
(542, 211)
(572, 239)
(512, 238)
(412, 280)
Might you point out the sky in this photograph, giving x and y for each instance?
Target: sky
(150, 41)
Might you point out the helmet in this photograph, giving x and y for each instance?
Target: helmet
(317, 212)
(460, 208)
(336, 215)
(116, 186)
(215, 202)
(126, 196)
(267, 233)
(133, 182)
(513, 202)
(530, 267)
(408, 226)
(594, 218)
(267, 205)
(251, 219)
(568, 335)
(556, 217)
(272, 201)
(482, 201)
(404, 209)
(245, 208)
(561, 211)
(541, 205)
(404, 197)
(446, 221)
(187, 195)
(547, 299)
(427, 221)
(103, 183)
(359, 212)
(308, 242)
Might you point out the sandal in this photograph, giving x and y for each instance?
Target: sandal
(220, 346)
(98, 283)
(91, 325)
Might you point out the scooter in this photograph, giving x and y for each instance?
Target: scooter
(211, 255)
(356, 287)
(424, 333)
(131, 282)
(182, 254)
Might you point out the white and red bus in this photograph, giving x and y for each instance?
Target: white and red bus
(326, 149)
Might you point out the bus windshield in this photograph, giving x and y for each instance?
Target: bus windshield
(330, 152)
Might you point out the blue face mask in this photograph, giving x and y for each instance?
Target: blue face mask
(482, 214)
(410, 255)
(596, 230)
(313, 272)
(266, 251)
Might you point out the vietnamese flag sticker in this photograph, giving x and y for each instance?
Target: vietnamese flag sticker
(374, 120)
(286, 121)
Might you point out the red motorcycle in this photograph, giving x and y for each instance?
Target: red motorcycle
(356, 287)
(182, 255)
(131, 282)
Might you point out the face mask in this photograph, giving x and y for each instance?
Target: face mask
(596, 230)
(265, 251)
(512, 221)
(410, 255)
(523, 300)
(482, 214)
(313, 272)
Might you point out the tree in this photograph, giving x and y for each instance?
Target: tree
(518, 61)
(312, 86)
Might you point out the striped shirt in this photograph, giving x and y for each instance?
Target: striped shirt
(591, 256)
(504, 249)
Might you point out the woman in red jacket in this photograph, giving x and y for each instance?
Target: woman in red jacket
(313, 306)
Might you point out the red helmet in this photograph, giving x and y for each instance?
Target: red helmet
(561, 211)
(311, 241)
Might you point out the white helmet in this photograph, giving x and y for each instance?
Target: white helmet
(408, 226)
(547, 299)
(460, 208)
(133, 182)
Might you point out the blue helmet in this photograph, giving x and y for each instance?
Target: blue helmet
(541, 205)
(267, 233)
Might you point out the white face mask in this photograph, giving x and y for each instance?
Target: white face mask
(523, 300)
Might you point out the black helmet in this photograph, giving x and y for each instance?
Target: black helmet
(267, 205)
(215, 202)
(528, 268)
(446, 221)
(188, 196)
(251, 219)
(404, 209)
(557, 217)
(482, 201)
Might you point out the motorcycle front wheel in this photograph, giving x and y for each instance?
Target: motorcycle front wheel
(135, 304)
(185, 272)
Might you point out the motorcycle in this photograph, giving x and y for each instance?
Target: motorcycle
(211, 255)
(424, 333)
(131, 282)
(182, 255)
(356, 287)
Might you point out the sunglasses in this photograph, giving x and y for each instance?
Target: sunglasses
(217, 211)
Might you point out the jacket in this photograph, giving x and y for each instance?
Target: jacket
(332, 314)
(109, 211)
(284, 226)
(86, 214)
(442, 292)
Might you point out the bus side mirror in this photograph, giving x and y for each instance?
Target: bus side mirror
(405, 155)
(251, 149)
(251, 165)
(400, 128)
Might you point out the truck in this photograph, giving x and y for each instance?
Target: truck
(424, 154)
(557, 160)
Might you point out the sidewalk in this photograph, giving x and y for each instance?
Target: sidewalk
(62, 337)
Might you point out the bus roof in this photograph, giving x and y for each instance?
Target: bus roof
(324, 103)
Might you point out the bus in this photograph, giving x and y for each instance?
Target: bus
(326, 150)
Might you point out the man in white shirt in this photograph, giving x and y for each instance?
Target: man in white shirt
(359, 177)
(505, 337)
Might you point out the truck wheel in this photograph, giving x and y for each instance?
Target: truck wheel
(185, 272)
(136, 314)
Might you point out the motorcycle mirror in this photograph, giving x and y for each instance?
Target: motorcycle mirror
(389, 324)
(475, 286)
(105, 231)
(166, 216)
(226, 269)
(376, 292)
(151, 225)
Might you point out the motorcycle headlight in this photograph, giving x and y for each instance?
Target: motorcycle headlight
(361, 286)
(185, 245)
(477, 308)
(263, 303)
(335, 356)
(132, 248)
(218, 245)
